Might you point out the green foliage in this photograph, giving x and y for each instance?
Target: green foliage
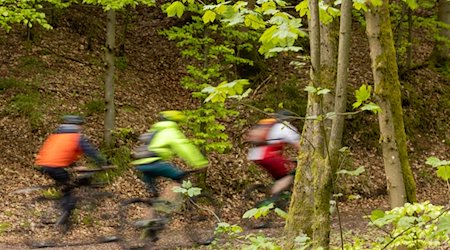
(9, 83)
(355, 172)
(258, 212)
(32, 64)
(413, 225)
(280, 29)
(4, 226)
(225, 89)
(119, 154)
(212, 53)
(94, 107)
(260, 242)
(52, 193)
(119, 4)
(187, 189)
(363, 95)
(121, 63)
(226, 228)
(442, 166)
(26, 12)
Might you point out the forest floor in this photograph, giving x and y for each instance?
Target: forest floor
(65, 77)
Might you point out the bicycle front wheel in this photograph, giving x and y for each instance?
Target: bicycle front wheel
(136, 229)
(202, 213)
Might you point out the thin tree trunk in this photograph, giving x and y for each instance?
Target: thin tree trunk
(109, 78)
(329, 33)
(441, 51)
(400, 181)
(301, 210)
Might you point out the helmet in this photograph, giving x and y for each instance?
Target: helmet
(73, 119)
(172, 115)
(284, 114)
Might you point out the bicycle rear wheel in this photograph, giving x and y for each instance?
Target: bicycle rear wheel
(257, 196)
(202, 213)
(136, 231)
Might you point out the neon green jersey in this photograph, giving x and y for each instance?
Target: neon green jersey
(168, 142)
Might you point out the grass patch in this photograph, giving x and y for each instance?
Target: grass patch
(10, 83)
(32, 64)
(27, 105)
(94, 107)
(4, 226)
(121, 63)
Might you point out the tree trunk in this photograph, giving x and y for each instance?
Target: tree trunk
(109, 78)
(441, 51)
(301, 210)
(325, 187)
(400, 180)
(328, 63)
(322, 171)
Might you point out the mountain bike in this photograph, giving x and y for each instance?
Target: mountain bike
(259, 195)
(197, 215)
(46, 207)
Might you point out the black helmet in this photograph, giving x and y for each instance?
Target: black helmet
(284, 114)
(73, 119)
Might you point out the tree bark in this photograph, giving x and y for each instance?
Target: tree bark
(329, 34)
(301, 210)
(109, 77)
(441, 51)
(399, 177)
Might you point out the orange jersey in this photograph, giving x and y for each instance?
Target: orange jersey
(59, 150)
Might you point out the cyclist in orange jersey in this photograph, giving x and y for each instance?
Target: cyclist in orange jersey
(60, 151)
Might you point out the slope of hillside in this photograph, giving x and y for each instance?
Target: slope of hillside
(57, 75)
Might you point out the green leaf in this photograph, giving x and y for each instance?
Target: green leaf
(412, 4)
(377, 3)
(281, 213)
(443, 172)
(186, 184)
(209, 16)
(435, 162)
(302, 8)
(194, 191)
(323, 91)
(406, 221)
(371, 107)
(175, 9)
(355, 172)
(250, 213)
(254, 21)
(444, 224)
(310, 89)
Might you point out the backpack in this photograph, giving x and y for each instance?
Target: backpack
(259, 132)
(141, 151)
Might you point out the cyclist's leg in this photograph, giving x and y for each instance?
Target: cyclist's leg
(68, 201)
(164, 169)
(282, 184)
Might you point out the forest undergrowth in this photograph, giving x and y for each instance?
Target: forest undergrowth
(56, 74)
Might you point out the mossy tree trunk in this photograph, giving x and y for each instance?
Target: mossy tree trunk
(329, 33)
(301, 210)
(109, 77)
(400, 180)
(324, 180)
(441, 51)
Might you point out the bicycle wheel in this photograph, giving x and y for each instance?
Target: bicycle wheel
(202, 213)
(257, 196)
(135, 232)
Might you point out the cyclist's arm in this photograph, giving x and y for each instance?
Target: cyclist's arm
(185, 149)
(90, 151)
